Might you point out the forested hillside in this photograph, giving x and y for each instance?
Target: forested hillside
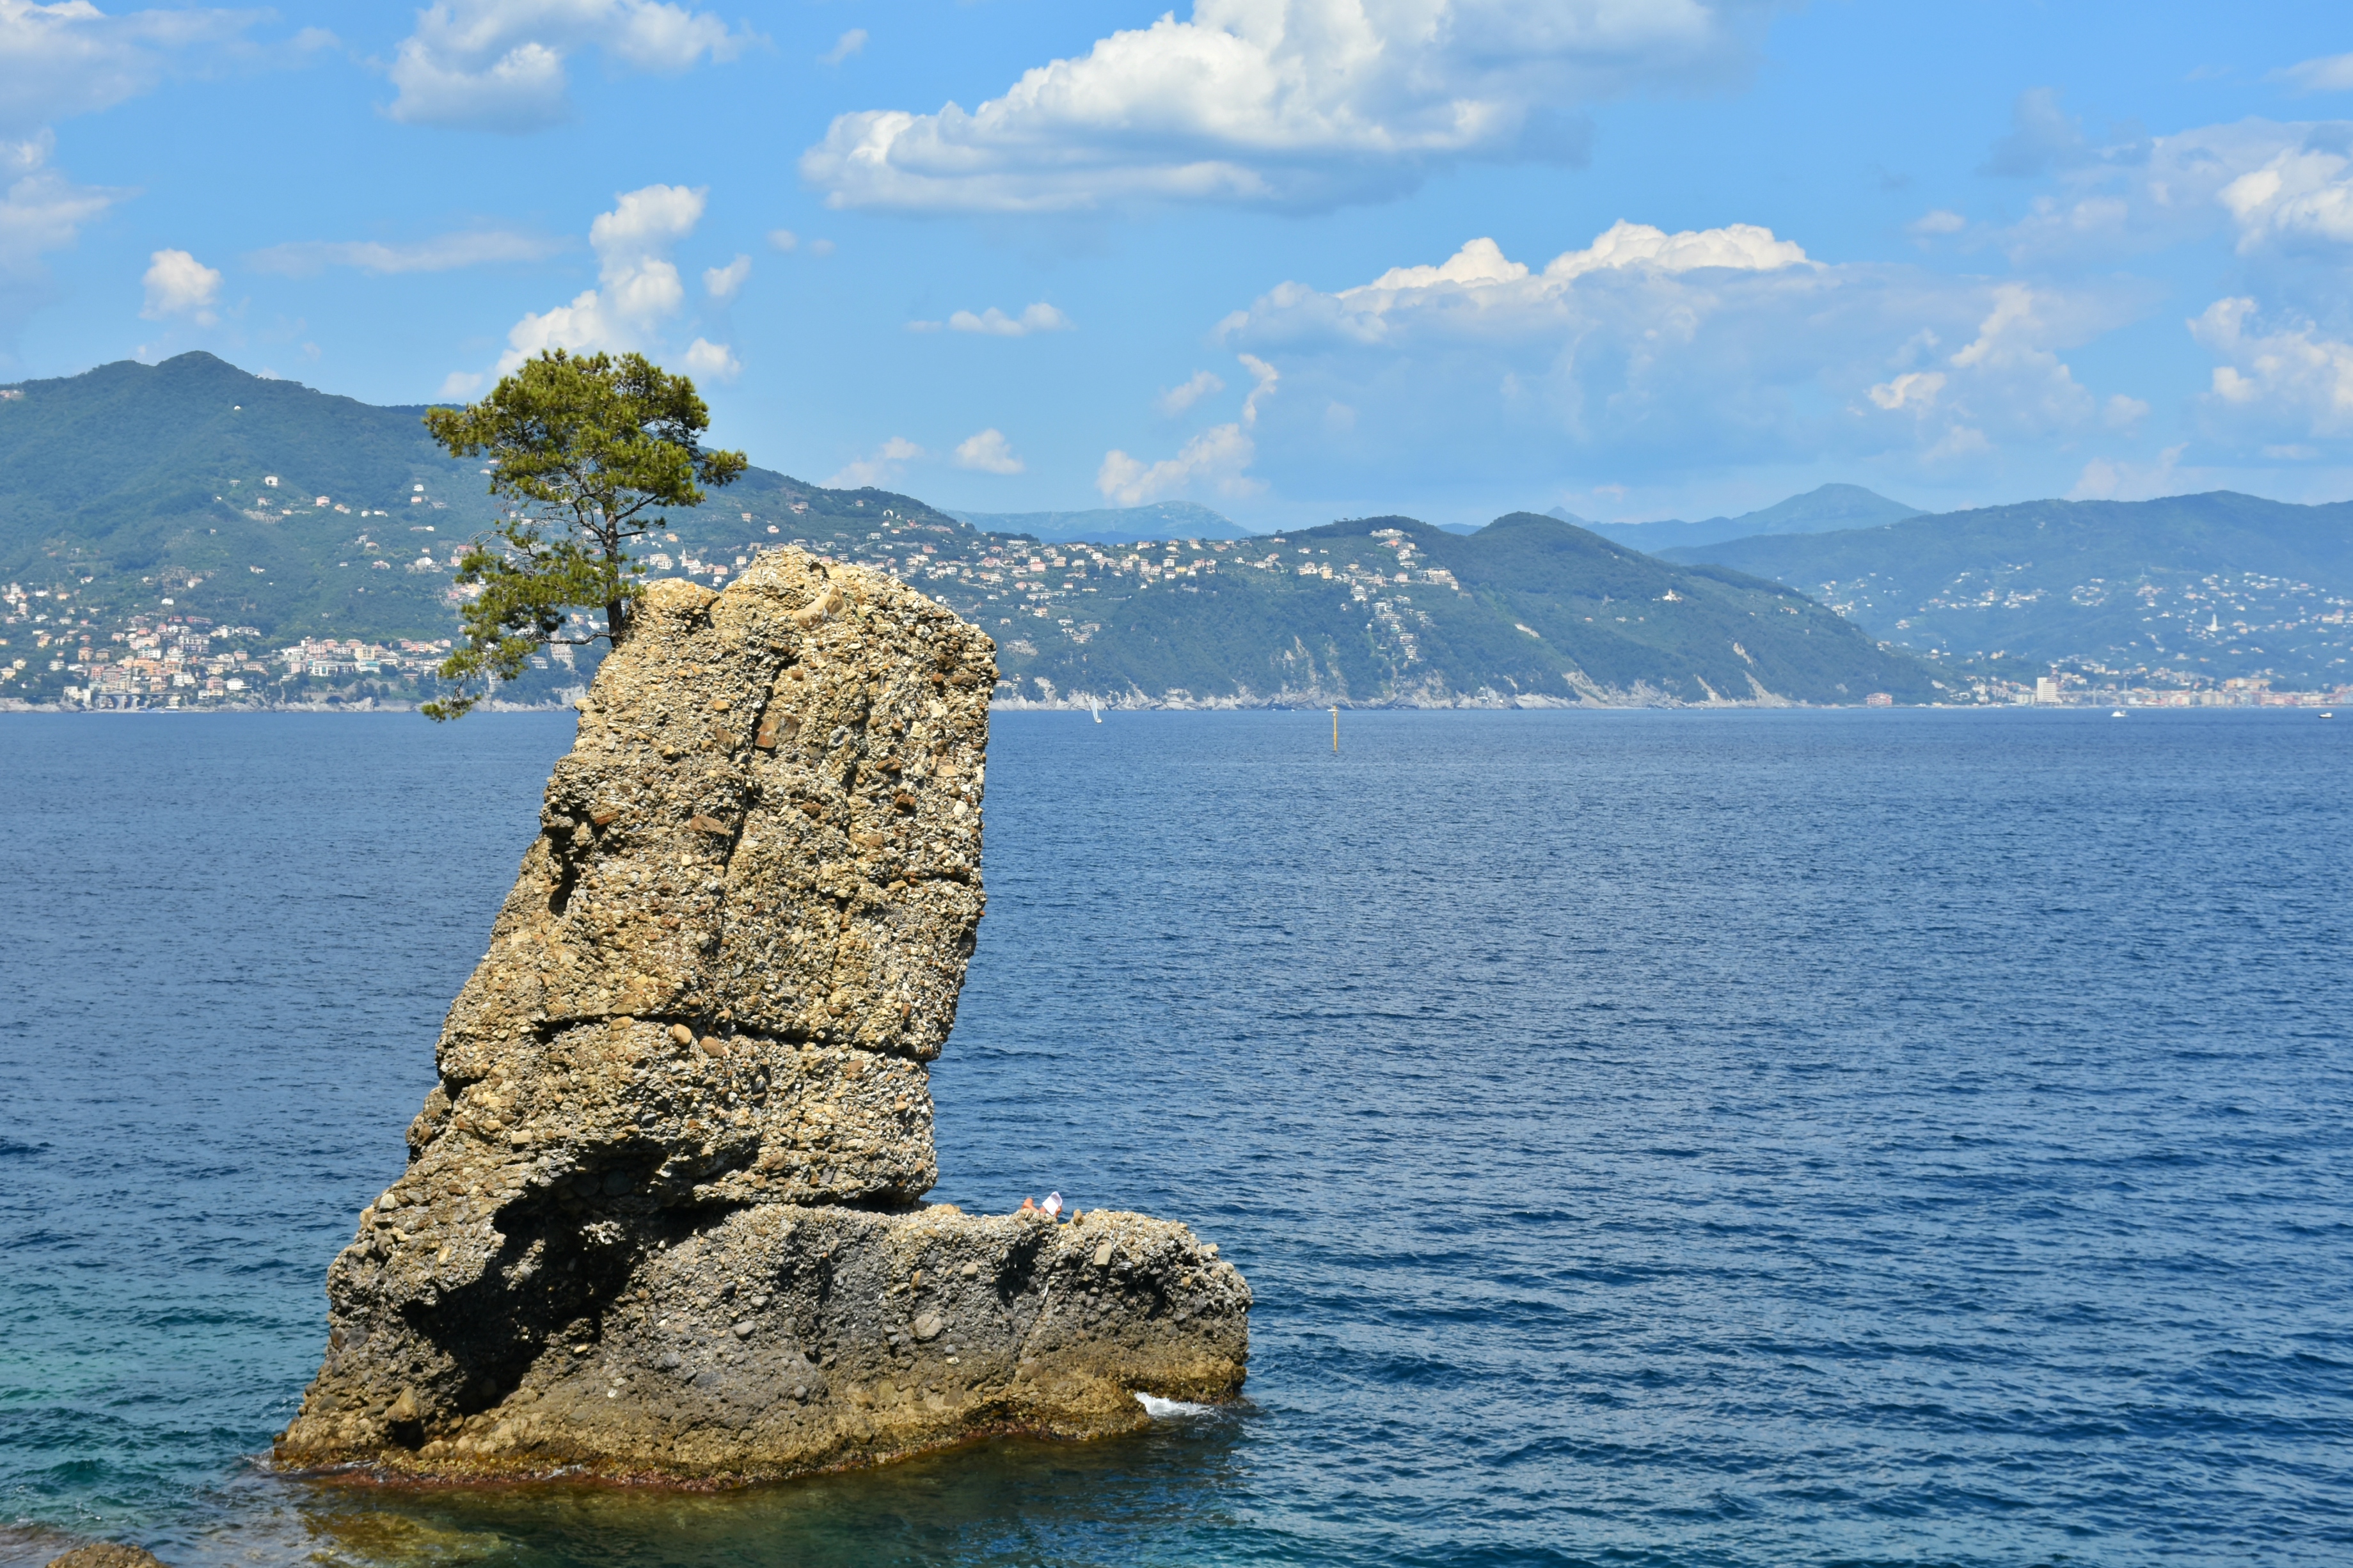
(2207, 587)
(187, 532)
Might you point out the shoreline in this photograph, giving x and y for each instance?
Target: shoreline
(1486, 702)
(1026, 705)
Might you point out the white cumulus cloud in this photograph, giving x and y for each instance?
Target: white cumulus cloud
(180, 285)
(638, 292)
(710, 360)
(500, 65)
(990, 452)
(2289, 380)
(1285, 103)
(1212, 461)
(2013, 350)
(638, 285)
(2279, 190)
(1667, 353)
(2297, 195)
(1038, 317)
(881, 468)
(1478, 283)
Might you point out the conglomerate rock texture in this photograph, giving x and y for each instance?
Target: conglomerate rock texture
(661, 1215)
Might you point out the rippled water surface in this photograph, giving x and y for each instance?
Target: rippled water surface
(1652, 1138)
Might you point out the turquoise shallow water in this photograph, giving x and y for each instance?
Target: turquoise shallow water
(1653, 1138)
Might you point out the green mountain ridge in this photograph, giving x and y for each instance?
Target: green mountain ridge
(146, 555)
(1528, 609)
(2207, 587)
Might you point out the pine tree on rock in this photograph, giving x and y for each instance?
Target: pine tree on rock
(586, 450)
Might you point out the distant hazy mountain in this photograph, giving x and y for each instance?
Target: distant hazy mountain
(2218, 585)
(1110, 525)
(1817, 511)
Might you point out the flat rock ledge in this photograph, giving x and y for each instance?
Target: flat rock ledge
(779, 1341)
(661, 1220)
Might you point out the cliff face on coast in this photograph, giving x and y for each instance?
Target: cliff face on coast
(661, 1218)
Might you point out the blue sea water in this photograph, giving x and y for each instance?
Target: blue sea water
(1728, 1138)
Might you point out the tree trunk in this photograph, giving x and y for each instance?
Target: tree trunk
(617, 621)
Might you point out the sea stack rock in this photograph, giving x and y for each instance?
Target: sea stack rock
(663, 1214)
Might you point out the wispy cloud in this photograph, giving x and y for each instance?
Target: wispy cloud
(1038, 317)
(500, 64)
(724, 283)
(2329, 73)
(2042, 138)
(851, 43)
(67, 58)
(1186, 393)
(441, 253)
(880, 468)
(1263, 380)
(40, 209)
(2107, 479)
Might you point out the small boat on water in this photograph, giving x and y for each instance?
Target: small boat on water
(2118, 714)
(1097, 706)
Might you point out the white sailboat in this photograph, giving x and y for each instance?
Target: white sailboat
(1096, 704)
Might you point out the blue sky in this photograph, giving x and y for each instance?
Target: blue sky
(1293, 259)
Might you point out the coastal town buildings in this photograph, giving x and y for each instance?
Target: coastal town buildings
(188, 662)
(54, 647)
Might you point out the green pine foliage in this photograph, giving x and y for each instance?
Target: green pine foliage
(582, 454)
